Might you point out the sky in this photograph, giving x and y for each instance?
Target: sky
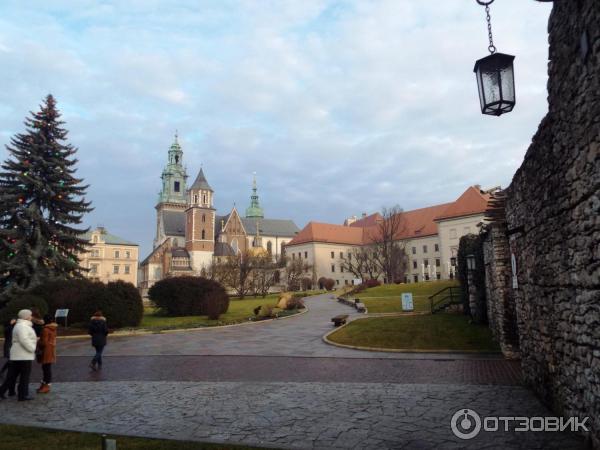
(340, 107)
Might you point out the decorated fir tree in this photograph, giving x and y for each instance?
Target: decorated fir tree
(40, 201)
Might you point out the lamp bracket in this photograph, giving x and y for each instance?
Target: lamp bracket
(485, 2)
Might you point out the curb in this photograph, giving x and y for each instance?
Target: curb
(326, 339)
(182, 330)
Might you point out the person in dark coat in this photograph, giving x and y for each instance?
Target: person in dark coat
(98, 330)
(37, 321)
(8, 327)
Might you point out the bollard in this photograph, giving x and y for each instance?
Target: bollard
(108, 444)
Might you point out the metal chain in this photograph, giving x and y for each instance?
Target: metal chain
(491, 47)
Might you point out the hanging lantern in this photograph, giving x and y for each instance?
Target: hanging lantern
(495, 76)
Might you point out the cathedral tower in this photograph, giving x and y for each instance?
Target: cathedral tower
(254, 211)
(172, 195)
(200, 223)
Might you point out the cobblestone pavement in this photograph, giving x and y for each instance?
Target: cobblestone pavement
(265, 369)
(288, 415)
(295, 336)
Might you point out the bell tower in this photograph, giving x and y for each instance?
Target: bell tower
(200, 223)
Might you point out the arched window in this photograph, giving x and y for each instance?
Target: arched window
(203, 234)
(270, 248)
(203, 217)
(196, 199)
(234, 246)
(204, 199)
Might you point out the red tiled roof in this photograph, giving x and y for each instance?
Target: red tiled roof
(368, 221)
(416, 223)
(472, 201)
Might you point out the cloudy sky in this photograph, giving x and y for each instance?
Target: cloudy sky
(339, 106)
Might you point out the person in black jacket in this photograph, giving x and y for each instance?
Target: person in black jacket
(8, 327)
(98, 330)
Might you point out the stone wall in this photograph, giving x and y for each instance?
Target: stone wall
(553, 224)
(501, 308)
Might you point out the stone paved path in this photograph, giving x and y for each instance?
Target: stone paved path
(277, 384)
(288, 415)
(295, 336)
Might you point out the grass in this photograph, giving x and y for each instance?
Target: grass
(386, 298)
(419, 332)
(32, 438)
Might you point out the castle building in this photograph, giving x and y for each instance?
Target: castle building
(430, 237)
(190, 234)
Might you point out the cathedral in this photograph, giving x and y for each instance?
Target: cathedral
(190, 233)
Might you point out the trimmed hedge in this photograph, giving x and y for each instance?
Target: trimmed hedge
(189, 296)
(119, 301)
(23, 301)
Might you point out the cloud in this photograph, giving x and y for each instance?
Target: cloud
(339, 106)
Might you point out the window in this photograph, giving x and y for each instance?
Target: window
(126, 270)
(176, 186)
(115, 269)
(453, 262)
(426, 262)
(437, 262)
(305, 255)
(93, 269)
(269, 248)
(342, 269)
(332, 255)
(203, 217)
(95, 239)
(117, 254)
(337, 282)
(203, 234)
(293, 256)
(414, 250)
(452, 233)
(127, 254)
(437, 247)
(426, 277)
(341, 255)
(346, 282)
(95, 253)
(349, 256)
(438, 276)
(332, 268)
(196, 199)
(414, 264)
(424, 249)
(204, 199)
(416, 278)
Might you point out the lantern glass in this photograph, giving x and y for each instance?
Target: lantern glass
(471, 262)
(496, 83)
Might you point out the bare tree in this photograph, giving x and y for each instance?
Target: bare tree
(264, 274)
(295, 269)
(388, 248)
(236, 273)
(362, 262)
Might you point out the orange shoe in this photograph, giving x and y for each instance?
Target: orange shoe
(38, 390)
(44, 389)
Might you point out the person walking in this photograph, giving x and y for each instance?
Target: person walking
(22, 353)
(98, 330)
(8, 327)
(47, 345)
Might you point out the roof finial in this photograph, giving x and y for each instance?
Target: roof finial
(176, 136)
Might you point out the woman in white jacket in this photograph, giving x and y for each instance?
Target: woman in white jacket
(22, 353)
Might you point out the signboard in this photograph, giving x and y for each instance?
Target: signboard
(61, 313)
(407, 301)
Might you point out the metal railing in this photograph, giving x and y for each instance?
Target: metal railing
(450, 295)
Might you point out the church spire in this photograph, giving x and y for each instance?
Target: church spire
(174, 176)
(254, 210)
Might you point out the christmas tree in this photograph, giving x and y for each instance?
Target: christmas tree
(40, 201)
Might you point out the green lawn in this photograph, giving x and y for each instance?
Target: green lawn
(386, 298)
(424, 332)
(30, 438)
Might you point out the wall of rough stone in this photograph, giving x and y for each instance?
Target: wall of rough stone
(501, 308)
(553, 221)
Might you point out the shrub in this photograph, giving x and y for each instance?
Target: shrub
(328, 283)
(266, 311)
(294, 303)
(372, 283)
(306, 283)
(19, 302)
(189, 296)
(125, 307)
(119, 301)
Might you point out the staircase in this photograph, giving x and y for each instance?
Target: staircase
(448, 296)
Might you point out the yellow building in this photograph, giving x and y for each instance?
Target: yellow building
(110, 258)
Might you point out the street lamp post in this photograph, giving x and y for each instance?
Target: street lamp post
(495, 76)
